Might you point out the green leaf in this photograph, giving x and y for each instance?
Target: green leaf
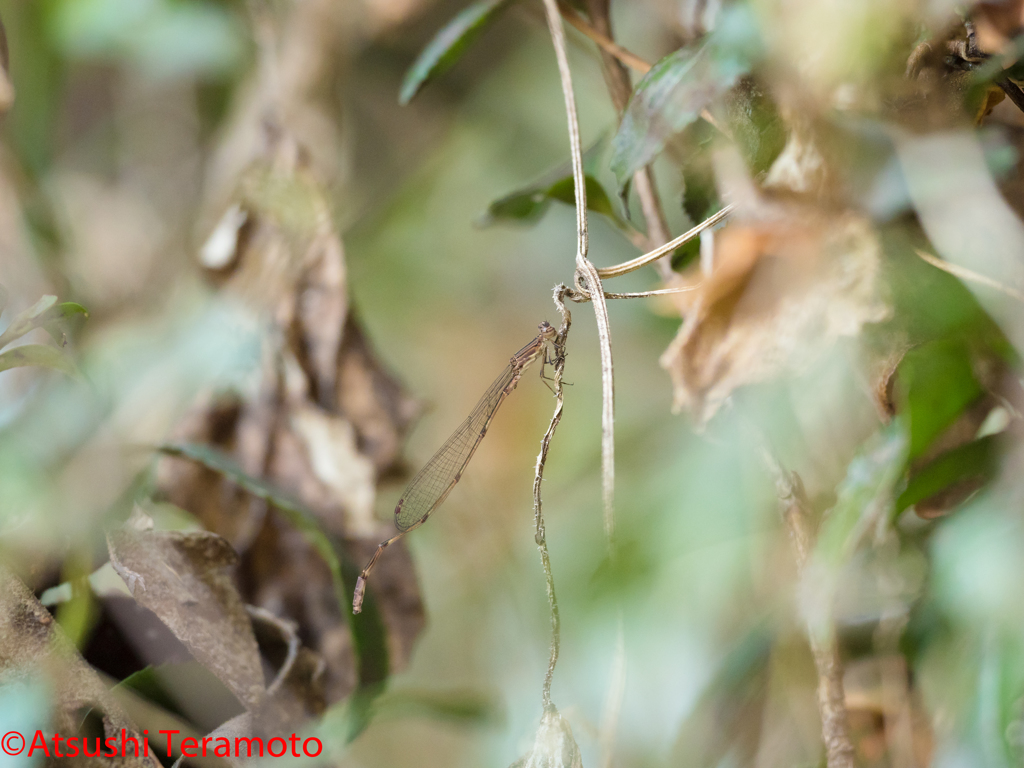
(864, 495)
(38, 355)
(676, 89)
(455, 706)
(700, 198)
(667, 99)
(597, 199)
(686, 254)
(530, 204)
(4, 296)
(935, 384)
(160, 38)
(43, 314)
(367, 628)
(448, 45)
(1000, 688)
(158, 685)
(863, 504)
(78, 615)
(525, 206)
(977, 460)
(148, 684)
(756, 125)
(60, 320)
(978, 665)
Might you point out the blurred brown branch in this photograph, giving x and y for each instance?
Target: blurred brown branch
(831, 700)
(619, 88)
(604, 42)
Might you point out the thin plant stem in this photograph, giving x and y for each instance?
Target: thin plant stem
(654, 215)
(620, 88)
(630, 59)
(604, 42)
(839, 752)
(968, 275)
(583, 296)
(586, 271)
(540, 532)
(641, 261)
(645, 294)
(565, 75)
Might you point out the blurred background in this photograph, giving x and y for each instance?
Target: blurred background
(224, 186)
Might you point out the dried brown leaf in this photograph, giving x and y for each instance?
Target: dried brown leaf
(325, 420)
(334, 457)
(778, 293)
(31, 642)
(238, 727)
(184, 579)
(372, 398)
(328, 462)
(297, 690)
(882, 377)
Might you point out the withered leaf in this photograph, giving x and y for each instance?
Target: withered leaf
(183, 578)
(322, 422)
(31, 642)
(778, 293)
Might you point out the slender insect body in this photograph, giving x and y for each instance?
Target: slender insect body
(435, 481)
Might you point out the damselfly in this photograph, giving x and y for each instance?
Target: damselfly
(435, 481)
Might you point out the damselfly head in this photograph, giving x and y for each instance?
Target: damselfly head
(546, 330)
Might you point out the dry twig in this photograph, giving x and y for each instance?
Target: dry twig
(968, 275)
(540, 534)
(831, 700)
(620, 88)
(585, 271)
(627, 57)
(634, 264)
(604, 42)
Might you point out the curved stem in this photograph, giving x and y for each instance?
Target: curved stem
(620, 88)
(641, 261)
(604, 42)
(969, 275)
(540, 533)
(589, 272)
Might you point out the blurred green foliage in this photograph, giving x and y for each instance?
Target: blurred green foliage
(448, 45)
(528, 205)
(162, 38)
(701, 576)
